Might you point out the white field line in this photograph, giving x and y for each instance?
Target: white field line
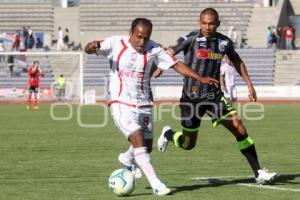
(220, 177)
(269, 187)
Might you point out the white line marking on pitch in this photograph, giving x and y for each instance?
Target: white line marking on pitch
(268, 187)
(219, 177)
(245, 184)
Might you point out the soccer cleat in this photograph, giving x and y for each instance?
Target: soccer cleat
(137, 172)
(128, 163)
(35, 107)
(162, 141)
(265, 177)
(161, 190)
(28, 107)
(124, 160)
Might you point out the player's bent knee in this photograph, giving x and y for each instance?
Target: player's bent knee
(188, 144)
(190, 147)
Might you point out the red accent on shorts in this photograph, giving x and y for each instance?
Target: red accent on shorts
(130, 105)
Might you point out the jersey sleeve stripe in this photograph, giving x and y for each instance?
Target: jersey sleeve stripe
(144, 69)
(118, 60)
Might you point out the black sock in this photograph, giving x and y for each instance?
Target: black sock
(251, 155)
(169, 135)
(249, 152)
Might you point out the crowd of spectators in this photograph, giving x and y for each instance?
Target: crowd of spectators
(281, 37)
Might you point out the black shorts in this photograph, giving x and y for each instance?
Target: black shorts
(33, 89)
(193, 111)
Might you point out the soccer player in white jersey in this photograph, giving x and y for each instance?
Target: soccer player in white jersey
(132, 59)
(227, 80)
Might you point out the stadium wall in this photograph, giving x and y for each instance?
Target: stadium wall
(263, 92)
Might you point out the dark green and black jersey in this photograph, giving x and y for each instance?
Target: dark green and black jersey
(204, 55)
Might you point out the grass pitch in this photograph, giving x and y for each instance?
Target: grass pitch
(42, 158)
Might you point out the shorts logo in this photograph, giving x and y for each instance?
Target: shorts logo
(208, 54)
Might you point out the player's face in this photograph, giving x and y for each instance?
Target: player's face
(208, 25)
(140, 37)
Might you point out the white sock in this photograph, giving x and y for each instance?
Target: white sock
(129, 153)
(142, 158)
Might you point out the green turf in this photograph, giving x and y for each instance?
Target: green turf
(43, 159)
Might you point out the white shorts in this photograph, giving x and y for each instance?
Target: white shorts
(129, 119)
(231, 93)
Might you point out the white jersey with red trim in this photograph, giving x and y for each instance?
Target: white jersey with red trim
(130, 71)
(228, 71)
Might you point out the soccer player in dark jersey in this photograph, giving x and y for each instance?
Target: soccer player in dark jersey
(34, 74)
(203, 51)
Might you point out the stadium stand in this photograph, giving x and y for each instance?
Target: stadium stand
(260, 65)
(105, 15)
(38, 14)
(259, 62)
(20, 72)
(287, 67)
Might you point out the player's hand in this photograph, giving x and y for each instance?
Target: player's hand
(210, 81)
(157, 73)
(91, 47)
(252, 94)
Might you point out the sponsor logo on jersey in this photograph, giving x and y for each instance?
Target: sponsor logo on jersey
(208, 54)
(131, 74)
(222, 45)
(202, 44)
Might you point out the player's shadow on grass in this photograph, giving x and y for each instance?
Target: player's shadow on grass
(287, 178)
(213, 182)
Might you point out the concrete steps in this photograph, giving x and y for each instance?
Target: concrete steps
(260, 20)
(67, 18)
(287, 67)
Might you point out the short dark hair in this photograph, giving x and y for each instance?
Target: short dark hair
(210, 11)
(143, 21)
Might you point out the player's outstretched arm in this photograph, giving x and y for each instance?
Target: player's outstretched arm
(188, 72)
(241, 69)
(91, 47)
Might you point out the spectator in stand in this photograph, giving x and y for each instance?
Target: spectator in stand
(16, 43)
(270, 37)
(66, 38)
(24, 39)
(39, 43)
(289, 36)
(279, 37)
(60, 42)
(31, 40)
(10, 64)
(2, 49)
(294, 38)
(232, 34)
